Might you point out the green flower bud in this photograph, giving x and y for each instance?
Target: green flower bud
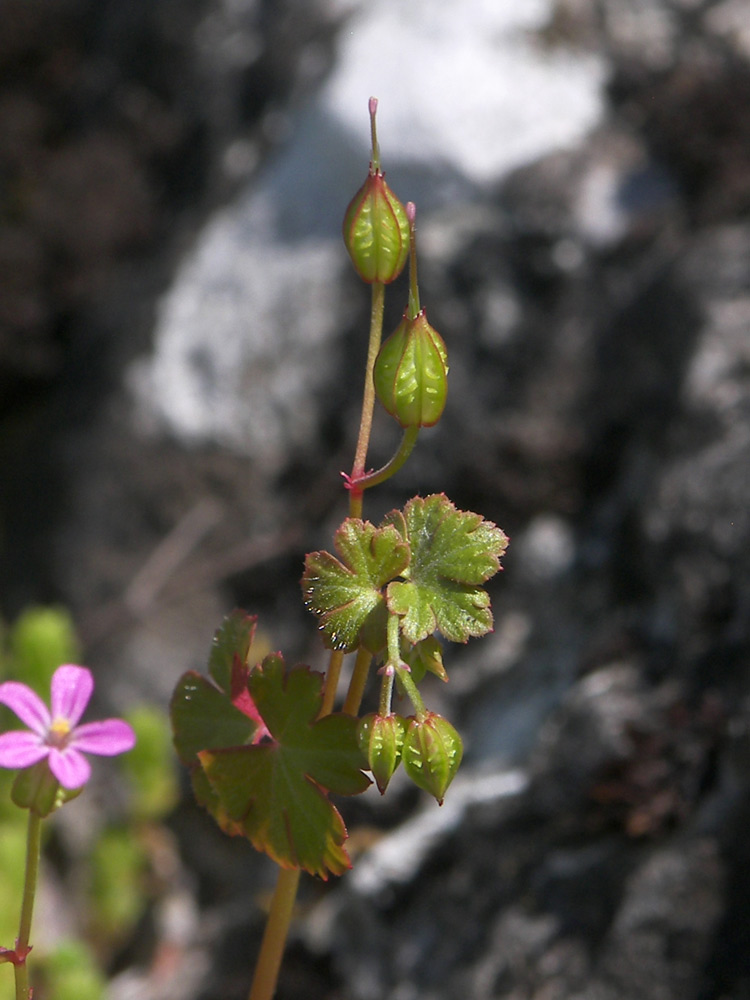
(376, 231)
(36, 788)
(432, 753)
(381, 738)
(411, 373)
(427, 654)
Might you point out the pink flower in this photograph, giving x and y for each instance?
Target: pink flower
(56, 735)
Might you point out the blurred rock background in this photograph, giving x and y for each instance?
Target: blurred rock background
(181, 348)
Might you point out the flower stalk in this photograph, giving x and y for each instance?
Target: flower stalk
(368, 401)
(31, 875)
(411, 691)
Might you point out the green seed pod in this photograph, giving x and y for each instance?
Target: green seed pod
(376, 231)
(432, 753)
(411, 373)
(381, 738)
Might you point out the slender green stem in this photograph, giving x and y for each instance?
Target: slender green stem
(412, 692)
(413, 307)
(368, 399)
(358, 682)
(405, 449)
(33, 841)
(386, 692)
(275, 935)
(394, 653)
(331, 682)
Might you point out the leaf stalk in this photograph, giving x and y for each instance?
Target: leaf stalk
(358, 682)
(405, 448)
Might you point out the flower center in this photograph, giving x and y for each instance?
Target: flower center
(58, 732)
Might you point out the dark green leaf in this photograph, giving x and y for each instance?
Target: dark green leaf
(276, 791)
(204, 717)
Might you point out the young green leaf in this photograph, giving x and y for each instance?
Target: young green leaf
(452, 553)
(347, 595)
(276, 791)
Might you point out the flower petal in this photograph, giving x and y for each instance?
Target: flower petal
(69, 767)
(27, 705)
(106, 738)
(19, 748)
(71, 690)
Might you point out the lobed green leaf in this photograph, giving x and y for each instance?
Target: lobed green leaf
(452, 553)
(347, 594)
(275, 792)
